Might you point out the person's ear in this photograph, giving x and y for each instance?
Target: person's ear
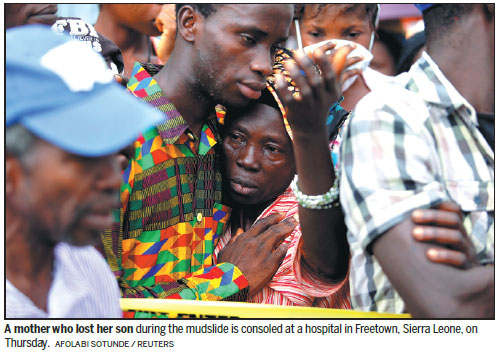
(188, 22)
(13, 175)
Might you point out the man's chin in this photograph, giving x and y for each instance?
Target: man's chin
(80, 239)
(239, 102)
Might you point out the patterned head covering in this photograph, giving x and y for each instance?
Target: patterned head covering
(281, 58)
(336, 116)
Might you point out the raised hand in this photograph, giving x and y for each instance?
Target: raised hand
(308, 109)
(323, 231)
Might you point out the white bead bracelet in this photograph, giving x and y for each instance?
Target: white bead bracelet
(317, 202)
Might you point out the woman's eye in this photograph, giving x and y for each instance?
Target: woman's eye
(315, 34)
(235, 137)
(273, 149)
(248, 39)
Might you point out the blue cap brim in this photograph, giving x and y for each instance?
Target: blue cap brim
(423, 7)
(104, 122)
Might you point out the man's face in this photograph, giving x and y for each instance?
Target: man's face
(258, 156)
(235, 49)
(139, 17)
(67, 197)
(336, 22)
(23, 14)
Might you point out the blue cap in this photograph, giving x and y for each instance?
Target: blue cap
(423, 7)
(62, 91)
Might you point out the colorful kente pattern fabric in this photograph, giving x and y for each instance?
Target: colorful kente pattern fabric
(172, 214)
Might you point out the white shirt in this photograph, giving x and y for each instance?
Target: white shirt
(83, 286)
(376, 80)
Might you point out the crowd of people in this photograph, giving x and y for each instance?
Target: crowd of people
(251, 153)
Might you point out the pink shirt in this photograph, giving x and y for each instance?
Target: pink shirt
(292, 284)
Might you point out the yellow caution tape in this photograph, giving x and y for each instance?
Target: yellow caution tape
(222, 309)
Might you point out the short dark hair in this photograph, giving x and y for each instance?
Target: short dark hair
(370, 10)
(410, 48)
(19, 141)
(440, 18)
(204, 9)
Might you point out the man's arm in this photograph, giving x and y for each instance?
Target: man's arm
(430, 289)
(246, 264)
(193, 287)
(390, 167)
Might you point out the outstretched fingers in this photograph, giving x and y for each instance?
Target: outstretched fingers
(276, 234)
(272, 231)
(305, 76)
(282, 88)
(263, 224)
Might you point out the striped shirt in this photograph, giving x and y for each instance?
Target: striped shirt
(82, 287)
(412, 145)
(293, 285)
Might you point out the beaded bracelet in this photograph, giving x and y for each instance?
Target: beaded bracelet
(317, 202)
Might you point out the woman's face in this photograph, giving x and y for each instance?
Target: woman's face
(258, 154)
(336, 21)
